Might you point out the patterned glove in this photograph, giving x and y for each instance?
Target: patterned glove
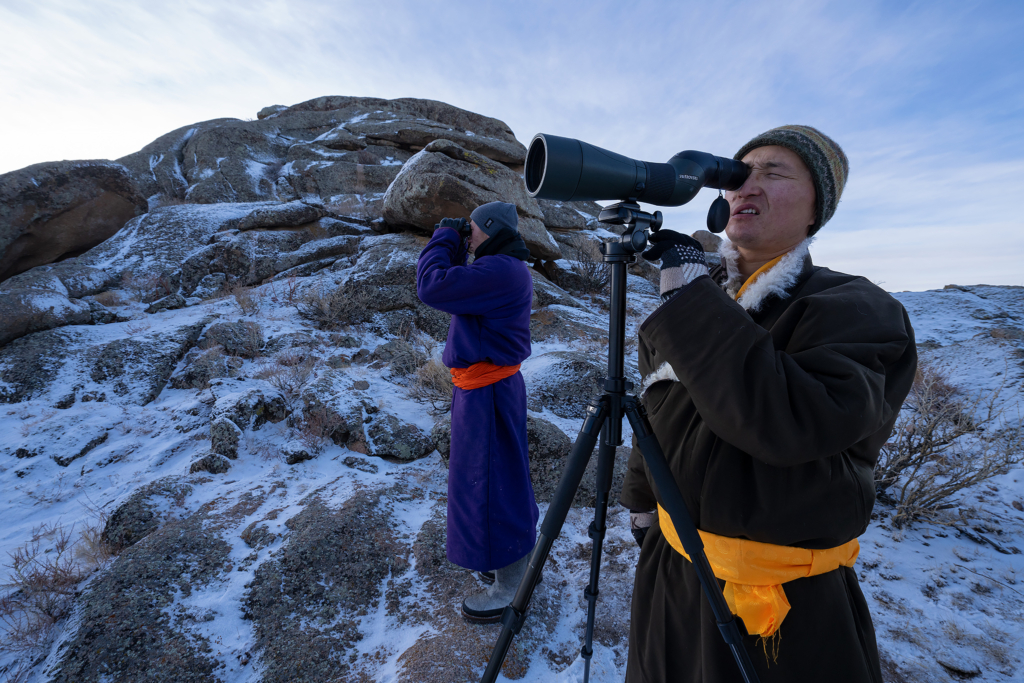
(682, 260)
(640, 523)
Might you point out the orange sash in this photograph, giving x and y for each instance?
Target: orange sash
(754, 572)
(481, 374)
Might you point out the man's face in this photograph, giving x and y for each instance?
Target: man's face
(476, 237)
(774, 209)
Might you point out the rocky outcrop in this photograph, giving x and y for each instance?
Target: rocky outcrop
(224, 436)
(565, 323)
(158, 168)
(344, 151)
(388, 436)
(49, 296)
(448, 180)
(306, 601)
(143, 513)
(569, 216)
(563, 381)
(251, 405)
(133, 623)
(380, 292)
(131, 369)
(546, 292)
(60, 209)
(153, 247)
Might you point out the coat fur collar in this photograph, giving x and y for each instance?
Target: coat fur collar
(777, 281)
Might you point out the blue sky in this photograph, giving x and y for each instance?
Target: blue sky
(927, 98)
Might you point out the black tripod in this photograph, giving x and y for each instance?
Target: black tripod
(604, 416)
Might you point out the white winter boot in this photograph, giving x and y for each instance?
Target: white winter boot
(487, 606)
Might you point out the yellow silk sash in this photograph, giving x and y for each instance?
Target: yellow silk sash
(754, 572)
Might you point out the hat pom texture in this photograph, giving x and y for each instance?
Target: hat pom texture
(824, 158)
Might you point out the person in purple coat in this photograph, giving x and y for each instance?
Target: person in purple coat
(492, 515)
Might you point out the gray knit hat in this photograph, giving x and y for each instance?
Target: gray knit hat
(495, 216)
(824, 158)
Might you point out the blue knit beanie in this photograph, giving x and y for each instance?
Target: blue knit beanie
(495, 216)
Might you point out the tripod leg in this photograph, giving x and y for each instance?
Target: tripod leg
(672, 501)
(605, 464)
(514, 616)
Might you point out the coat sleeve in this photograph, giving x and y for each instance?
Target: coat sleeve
(444, 282)
(813, 399)
(637, 493)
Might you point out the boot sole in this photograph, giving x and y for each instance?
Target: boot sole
(486, 616)
(483, 616)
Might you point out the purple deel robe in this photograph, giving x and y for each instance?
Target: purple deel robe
(492, 515)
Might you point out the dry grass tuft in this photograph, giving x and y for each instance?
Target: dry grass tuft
(586, 261)
(432, 383)
(330, 309)
(249, 300)
(943, 443)
(289, 373)
(109, 298)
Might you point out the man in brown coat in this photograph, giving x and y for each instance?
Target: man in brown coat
(771, 384)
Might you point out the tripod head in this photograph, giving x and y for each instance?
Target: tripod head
(634, 239)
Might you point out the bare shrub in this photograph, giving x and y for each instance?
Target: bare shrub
(289, 374)
(585, 260)
(943, 443)
(330, 309)
(19, 674)
(291, 286)
(317, 425)
(40, 589)
(432, 383)
(249, 300)
(136, 327)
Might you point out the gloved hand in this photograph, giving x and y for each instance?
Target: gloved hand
(682, 260)
(640, 523)
(460, 225)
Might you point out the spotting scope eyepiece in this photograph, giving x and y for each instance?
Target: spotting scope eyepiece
(572, 170)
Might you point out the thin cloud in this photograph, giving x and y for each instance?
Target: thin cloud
(926, 98)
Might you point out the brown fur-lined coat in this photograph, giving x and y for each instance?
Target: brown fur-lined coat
(771, 412)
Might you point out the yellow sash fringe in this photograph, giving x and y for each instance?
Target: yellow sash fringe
(754, 572)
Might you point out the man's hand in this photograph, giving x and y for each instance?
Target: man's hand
(640, 523)
(460, 225)
(682, 259)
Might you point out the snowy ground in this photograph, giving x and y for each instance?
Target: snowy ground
(939, 599)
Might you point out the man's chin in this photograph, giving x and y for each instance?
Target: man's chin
(743, 236)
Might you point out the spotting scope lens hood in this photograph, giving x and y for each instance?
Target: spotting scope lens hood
(566, 169)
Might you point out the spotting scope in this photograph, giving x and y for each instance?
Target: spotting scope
(572, 170)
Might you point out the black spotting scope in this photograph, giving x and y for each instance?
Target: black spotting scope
(572, 170)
